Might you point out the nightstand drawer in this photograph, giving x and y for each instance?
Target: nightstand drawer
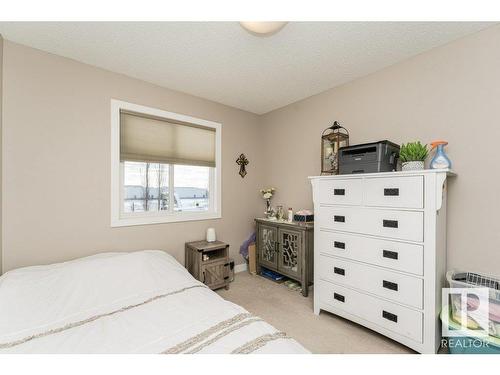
(404, 225)
(393, 317)
(391, 254)
(401, 288)
(348, 191)
(398, 192)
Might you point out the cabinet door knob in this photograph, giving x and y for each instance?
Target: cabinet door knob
(389, 316)
(339, 271)
(390, 254)
(338, 191)
(339, 245)
(339, 218)
(339, 297)
(390, 223)
(390, 285)
(391, 192)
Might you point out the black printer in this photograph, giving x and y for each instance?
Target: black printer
(379, 156)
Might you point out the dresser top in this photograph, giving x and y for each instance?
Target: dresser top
(448, 172)
(295, 224)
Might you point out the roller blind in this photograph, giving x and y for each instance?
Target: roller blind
(150, 139)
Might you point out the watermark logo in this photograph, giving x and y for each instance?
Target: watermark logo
(468, 312)
(464, 343)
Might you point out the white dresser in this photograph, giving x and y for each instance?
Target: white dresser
(380, 252)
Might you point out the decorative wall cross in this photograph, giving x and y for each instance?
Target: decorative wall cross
(242, 161)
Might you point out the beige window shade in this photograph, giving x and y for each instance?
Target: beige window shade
(150, 139)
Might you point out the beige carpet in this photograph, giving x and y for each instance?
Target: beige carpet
(290, 312)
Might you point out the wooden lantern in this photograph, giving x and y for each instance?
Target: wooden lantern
(332, 139)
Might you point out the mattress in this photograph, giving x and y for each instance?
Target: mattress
(139, 302)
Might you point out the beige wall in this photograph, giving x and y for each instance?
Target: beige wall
(451, 93)
(57, 162)
(56, 136)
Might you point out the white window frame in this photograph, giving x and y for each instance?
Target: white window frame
(118, 218)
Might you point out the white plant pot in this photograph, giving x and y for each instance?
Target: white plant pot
(412, 166)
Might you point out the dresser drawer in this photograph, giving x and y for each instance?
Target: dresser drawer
(391, 254)
(403, 225)
(400, 192)
(348, 191)
(384, 283)
(395, 318)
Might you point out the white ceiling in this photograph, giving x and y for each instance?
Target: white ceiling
(222, 62)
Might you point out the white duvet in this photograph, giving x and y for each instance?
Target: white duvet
(141, 302)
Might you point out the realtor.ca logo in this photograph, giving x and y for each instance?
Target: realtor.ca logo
(467, 320)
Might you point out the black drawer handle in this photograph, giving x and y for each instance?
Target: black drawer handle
(339, 219)
(390, 285)
(390, 254)
(390, 223)
(339, 271)
(339, 245)
(339, 297)
(391, 192)
(389, 316)
(338, 191)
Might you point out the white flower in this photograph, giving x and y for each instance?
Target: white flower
(267, 193)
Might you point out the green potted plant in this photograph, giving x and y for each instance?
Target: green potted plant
(412, 156)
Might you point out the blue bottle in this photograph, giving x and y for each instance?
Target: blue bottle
(440, 160)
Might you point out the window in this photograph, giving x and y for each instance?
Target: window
(165, 166)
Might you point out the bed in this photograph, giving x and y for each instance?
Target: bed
(139, 302)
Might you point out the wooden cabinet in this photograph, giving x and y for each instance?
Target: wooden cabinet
(380, 256)
(286, 248)
(209, 263)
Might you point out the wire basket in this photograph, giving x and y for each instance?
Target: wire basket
(474, 280)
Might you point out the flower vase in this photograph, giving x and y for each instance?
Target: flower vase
(268, 207)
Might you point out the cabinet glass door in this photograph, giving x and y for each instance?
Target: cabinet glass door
(268, 246)
(289, 262)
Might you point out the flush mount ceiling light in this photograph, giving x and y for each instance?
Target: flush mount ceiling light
(263, 28)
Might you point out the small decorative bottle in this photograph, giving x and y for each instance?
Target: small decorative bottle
(290, 215)
(279, 213)
(440, 160)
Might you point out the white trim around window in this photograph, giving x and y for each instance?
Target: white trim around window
(215, 194)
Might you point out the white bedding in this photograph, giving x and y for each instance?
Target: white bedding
(141, 302)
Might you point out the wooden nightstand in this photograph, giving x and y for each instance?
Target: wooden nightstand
(208, 262)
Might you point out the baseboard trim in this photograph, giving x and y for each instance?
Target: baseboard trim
(240, 268)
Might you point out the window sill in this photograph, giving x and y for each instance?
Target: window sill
(162, 219)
